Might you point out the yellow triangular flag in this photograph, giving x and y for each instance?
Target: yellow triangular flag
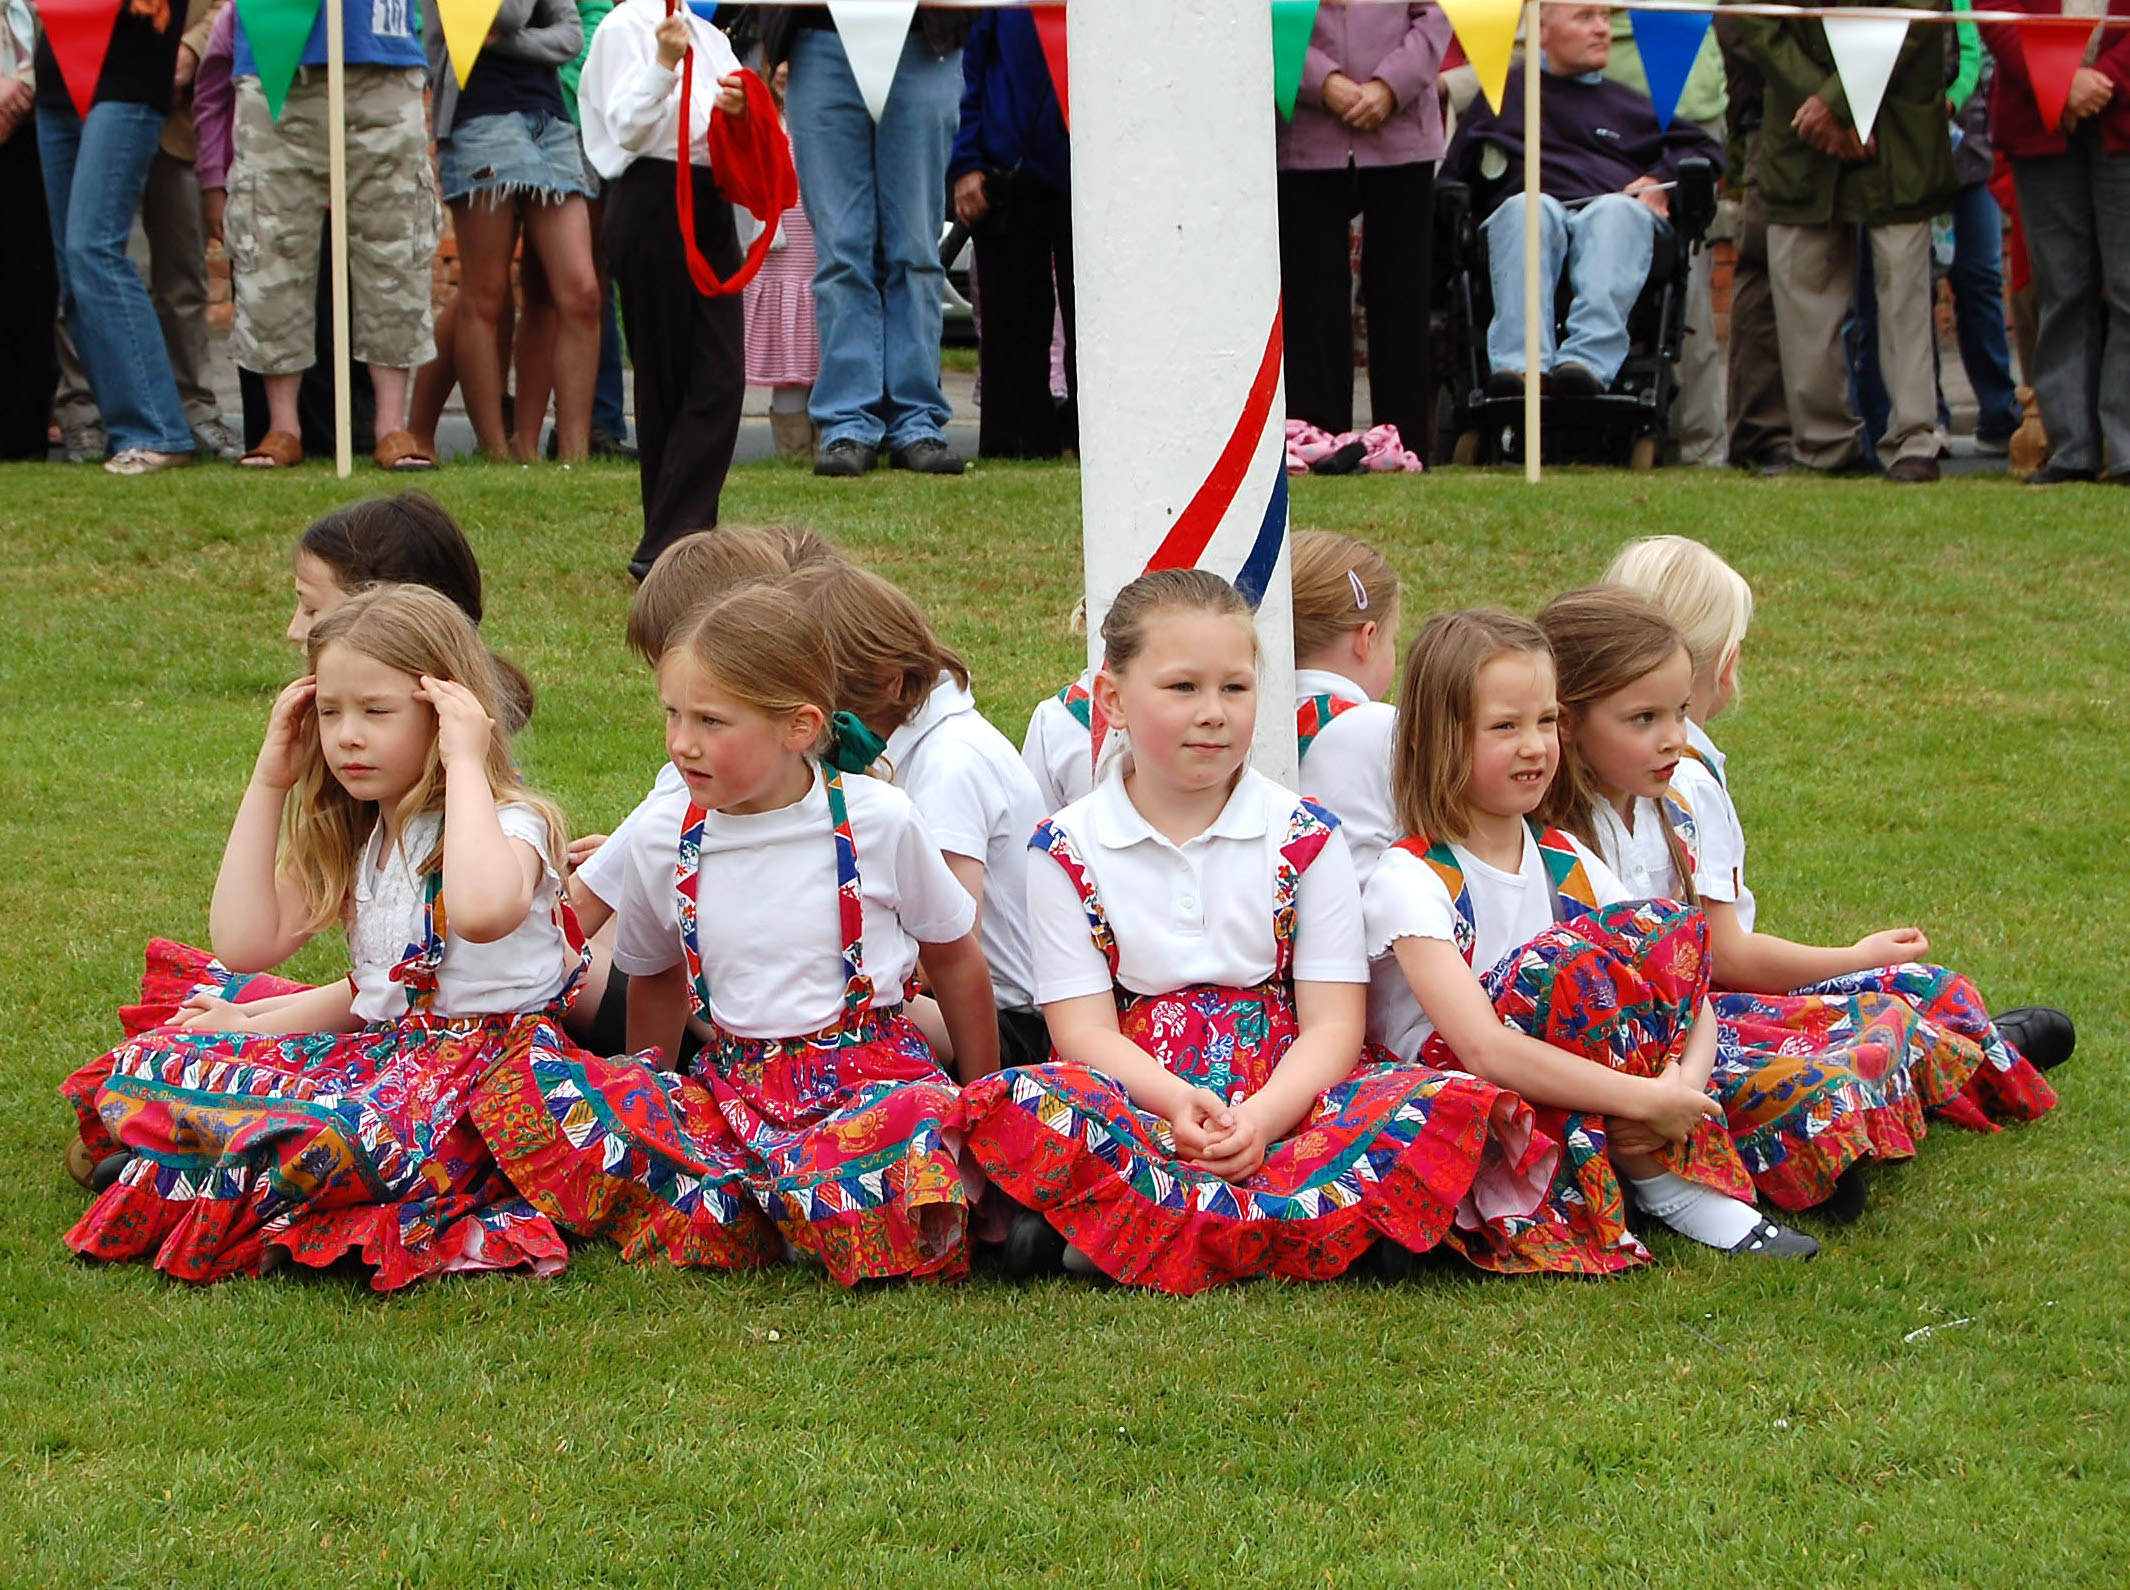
(466, 25)
(1487, 30)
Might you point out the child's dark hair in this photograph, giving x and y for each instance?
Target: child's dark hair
(888, 656)
(696, 569)
(1438, 707)
(1160, 591)
(1604, 638)
(410, 539)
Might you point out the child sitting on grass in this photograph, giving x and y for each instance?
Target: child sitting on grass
(332, 1121)
(1345, 658)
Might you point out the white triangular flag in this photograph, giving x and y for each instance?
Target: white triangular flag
(873, 33)
(1865, 49)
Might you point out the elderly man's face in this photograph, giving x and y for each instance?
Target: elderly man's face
(1576, 39)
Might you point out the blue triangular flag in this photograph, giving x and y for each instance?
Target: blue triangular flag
(1668, 41)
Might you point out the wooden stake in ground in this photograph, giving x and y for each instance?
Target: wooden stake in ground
(1534, 222)
(336, 108)
(1176, 241)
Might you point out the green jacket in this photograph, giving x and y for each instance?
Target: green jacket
(1911, 178)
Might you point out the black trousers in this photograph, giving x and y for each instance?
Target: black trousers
(1015, 269)
(29, 300)
(691, 371)
(1397, 209)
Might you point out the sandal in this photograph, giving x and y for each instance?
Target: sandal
(398, 450)
(276, 450)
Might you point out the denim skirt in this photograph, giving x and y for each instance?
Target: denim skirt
(517, 154)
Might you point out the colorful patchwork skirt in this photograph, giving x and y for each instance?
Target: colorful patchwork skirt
(1619, 986)
(845, 1152)
(316, 1144)
(1392, 1152)
(173, 974)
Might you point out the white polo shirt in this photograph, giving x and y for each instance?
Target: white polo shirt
(603, 871)
(1405, 899)
(1200, 912)
(1058, 751)
(1641, 856)
(1722, 833)
(767, 916)
(519, 972)
(980, 801)
(1347, 767)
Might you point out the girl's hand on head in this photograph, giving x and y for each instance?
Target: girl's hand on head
(732, 96)
(1237, 1153)
(210, 1013)
(583, 848)
(672, 39)
(288, 731)
(1675, 1107)
(463, 727)
(1892, 946)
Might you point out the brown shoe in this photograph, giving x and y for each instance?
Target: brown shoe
(276, 450)
(400, 452)
(1912, 471)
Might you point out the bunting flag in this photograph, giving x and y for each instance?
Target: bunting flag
(1865, 49)
(1670, 43)
(873, 33)
(80, 31)
(466, 25)
(2053, 57)
(1292, 21)
(1050, 32)
(1487, 30)
(278, 31)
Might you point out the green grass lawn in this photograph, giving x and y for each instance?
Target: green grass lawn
(1932, 732)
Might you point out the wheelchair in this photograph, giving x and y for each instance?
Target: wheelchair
(1630, 420)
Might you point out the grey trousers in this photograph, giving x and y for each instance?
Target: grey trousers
(1759, 416)
(2076, 211)
(176, 248)
(1697, 423)
(1813, 272)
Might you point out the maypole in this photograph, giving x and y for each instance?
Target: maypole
(1176, 250)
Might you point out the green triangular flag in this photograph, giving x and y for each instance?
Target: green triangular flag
(278, 31)
(1291, 22)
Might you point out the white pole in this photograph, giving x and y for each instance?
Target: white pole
(336, 107)
(1176, 262)
(1534, 219)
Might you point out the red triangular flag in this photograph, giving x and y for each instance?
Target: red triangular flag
(2053, 56)
(80, 31)
(1050, 28)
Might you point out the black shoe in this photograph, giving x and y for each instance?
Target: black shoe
(1771, 466)
(1033, 1246)
(2043, 1035)
(845, 459)
(1505, 384)
(605, 444)
(1913, 471)
(1851, 1197)
(2056, 475)
(929, 456)
(1770, 1241)
(1571, 380)
(639, 569)
(1342, 461)
(1389, 1261)
(110, 1168)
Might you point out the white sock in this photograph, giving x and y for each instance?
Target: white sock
(1697, 1212)
(1078, 1263)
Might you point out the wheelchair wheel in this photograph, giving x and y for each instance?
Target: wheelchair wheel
(1643, 455)
(1466, 452)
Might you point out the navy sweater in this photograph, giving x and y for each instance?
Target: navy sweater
(1010, 120)
(1595, 137)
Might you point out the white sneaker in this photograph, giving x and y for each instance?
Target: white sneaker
(143, 461)
(215, 439)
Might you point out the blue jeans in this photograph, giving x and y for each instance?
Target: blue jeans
(107, 310)
(606, 394)
(1607, 246)
(876, 197)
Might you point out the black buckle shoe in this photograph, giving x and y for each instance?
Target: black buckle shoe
(1770, 1241)
(1034, 1247)
(110, 1168)
(2043, 1035)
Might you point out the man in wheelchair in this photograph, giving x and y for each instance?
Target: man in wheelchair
(1606, 174)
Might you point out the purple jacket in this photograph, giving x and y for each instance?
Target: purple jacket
(1403, 45)
(214, 101)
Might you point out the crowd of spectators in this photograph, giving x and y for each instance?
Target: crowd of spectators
(556, 162)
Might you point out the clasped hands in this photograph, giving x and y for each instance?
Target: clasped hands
(1227, 1140)
(1362, 106)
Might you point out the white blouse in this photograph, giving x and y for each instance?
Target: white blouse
(630, 105)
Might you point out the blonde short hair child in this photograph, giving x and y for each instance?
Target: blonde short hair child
(1707, 599)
